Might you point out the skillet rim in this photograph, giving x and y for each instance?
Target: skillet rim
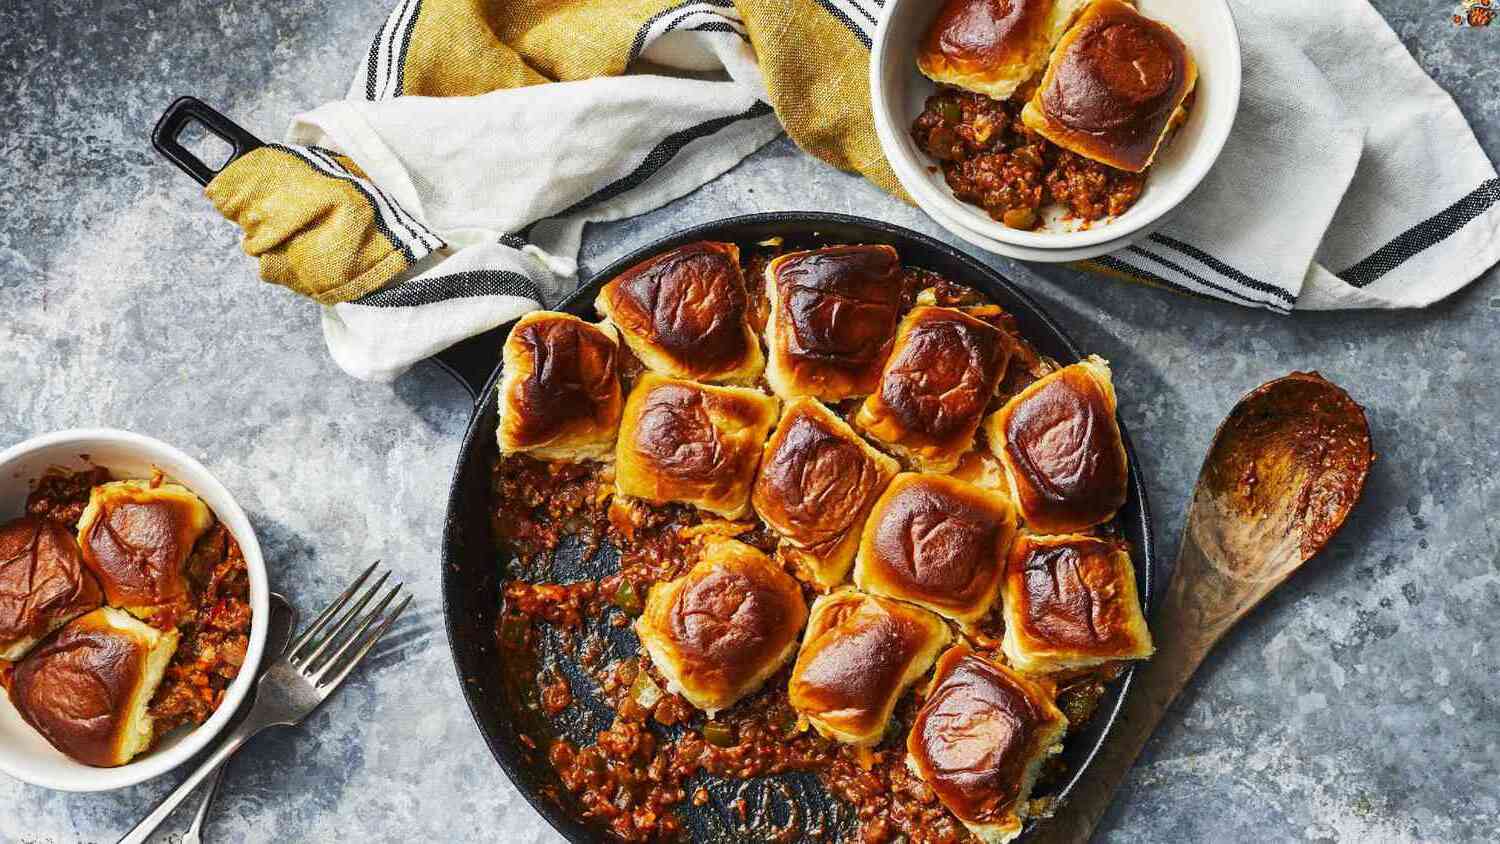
(507, 754)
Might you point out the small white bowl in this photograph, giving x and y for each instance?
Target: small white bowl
(898, 91)
(24, 754)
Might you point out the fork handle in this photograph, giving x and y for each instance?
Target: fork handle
(246, 730)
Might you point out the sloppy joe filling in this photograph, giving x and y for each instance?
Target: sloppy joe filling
(993, 160)
(213, 622)
(659, 757)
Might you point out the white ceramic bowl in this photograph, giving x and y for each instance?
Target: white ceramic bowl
(24, 754)
(898, 91)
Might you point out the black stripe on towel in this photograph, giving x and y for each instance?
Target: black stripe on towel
(381, 224)
(373, 62)
(430, 291)
(1423, 235)
(662, 154)
(1222, 268)
(1113, 263)
(405, 46)
(1186, 273)
(419, 232)
(848, 22)
(718, 26)
(638, 45)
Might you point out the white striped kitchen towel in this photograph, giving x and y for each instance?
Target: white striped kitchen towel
(1351, 179)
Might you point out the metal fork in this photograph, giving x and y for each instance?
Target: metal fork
(300, 679)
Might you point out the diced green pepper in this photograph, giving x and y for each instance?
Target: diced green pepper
(718, 735)
(627, 598)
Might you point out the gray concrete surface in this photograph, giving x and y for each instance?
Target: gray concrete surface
(1359, 705)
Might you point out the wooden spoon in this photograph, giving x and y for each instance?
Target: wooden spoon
(1284, 470)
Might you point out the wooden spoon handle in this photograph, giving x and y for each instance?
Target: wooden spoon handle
(1201, 603)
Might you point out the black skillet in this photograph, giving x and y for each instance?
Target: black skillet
(500, 695)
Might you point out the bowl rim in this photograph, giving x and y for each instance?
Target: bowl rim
(926, 195)
(206, 485)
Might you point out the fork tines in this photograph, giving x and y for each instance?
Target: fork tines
(329, 649)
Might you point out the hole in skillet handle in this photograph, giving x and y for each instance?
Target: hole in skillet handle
(166, 137)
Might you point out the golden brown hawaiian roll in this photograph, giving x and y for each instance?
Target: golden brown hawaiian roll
(833, 315)
(560, 396)
(937, 542)
(1113, 87)
(993, 46)
(933, 391)
(1071, 602)
(980, 739)
(685, 314)
(87, 688)
(859, 654)
(1062, 450)
(719, 631)
(816, 483)
(43, 584)
(693, 443)
(135, 538)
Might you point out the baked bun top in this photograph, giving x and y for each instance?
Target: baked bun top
(685, 313)
(979, 739)
(719, 631)
(693, 443)
(816, 483)
(859, 654)
(1062, 449)
(937, 542)
(560, 396)
(935, 387)
(135, 538)
(43, 583)
(993, 46)
(833, 314)
(86, 689)
(1071, 602)
(1113, 87)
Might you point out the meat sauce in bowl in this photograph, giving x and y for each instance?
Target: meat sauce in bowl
(213, 624)
(635, 759)
(991, 159)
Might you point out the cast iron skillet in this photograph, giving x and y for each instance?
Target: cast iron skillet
(474, 568)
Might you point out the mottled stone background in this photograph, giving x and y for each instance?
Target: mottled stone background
(1359, 705)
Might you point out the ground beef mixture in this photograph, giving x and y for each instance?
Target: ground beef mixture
(213, 624)
(658, 750)
(991, 159)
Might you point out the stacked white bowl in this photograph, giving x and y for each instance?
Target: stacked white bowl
(898, 91)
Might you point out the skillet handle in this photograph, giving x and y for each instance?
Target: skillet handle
(472, 361)
(193, 110)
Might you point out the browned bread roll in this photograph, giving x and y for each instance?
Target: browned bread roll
(937, 542)
(816, 483)
(560, 396)
(693, 443)
(43, 584)
(860, 653)
(719, 631)
(1062, 450)
(935, 387)
(135, 538)
(980, 739)
(86, 689)
(1070, 602)
(685, 313)
(832, 318)
(993, 46)
(1114, 87)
